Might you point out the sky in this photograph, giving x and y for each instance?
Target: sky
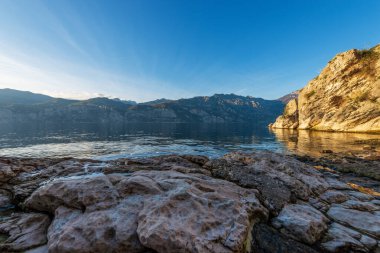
(149, 49)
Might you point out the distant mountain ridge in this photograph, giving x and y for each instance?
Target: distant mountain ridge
(18, 97)
(293, 95)
(219, 108)
(10, 96)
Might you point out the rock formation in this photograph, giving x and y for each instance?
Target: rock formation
(345, 96)
(257, 202)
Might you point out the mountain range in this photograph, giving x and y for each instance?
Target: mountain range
(343, 97)
(21, 106)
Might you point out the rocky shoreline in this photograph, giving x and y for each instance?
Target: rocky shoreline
(256, 202)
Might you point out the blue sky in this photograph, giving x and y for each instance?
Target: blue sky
(144, 50)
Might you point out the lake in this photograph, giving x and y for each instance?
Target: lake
(107, 141)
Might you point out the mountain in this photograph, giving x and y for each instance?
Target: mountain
(345, 96)
(10, 96)
(157, 101)
(285, 99)
(219, 108)
(128, 102)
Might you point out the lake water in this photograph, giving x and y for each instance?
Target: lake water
(138, 140)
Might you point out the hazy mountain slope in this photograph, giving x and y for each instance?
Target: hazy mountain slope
(214, 109)
(345, 96)
(219, 108)
(285, 99)
(157, 101)
(10, 96)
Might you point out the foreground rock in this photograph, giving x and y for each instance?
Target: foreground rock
(279, 179)
(360, 164)
(367, 222)
(25, 231)
(259, 202)
(148, 209)
(345, 96)
(302, 222)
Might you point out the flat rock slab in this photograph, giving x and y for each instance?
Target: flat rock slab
(368, 222)
(302, 222)
(334, 196)
(343, 239)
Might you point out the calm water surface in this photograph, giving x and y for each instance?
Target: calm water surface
(138, 140)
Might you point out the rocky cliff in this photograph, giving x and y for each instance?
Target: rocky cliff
(345, 96)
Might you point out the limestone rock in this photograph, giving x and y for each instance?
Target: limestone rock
(6, 172)
(289, 119)
(40, 249)
(111, 230)
(5, 199)
(333, 196)
(368, 222)
(166, 211)
(361, 196)
(280, 179)
(176, 204)
(343, 239)
(361, 206)
(302, 222)
(86, 192)
(345, 96)
(269, 240)
(230, 213)
(25, 230)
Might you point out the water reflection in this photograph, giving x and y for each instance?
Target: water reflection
(314, 142)
(109, 141)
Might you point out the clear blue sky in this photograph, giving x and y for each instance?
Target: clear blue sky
(143, 50)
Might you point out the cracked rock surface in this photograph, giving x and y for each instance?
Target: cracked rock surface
(256, 202)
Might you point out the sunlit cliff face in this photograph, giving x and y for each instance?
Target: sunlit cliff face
(313, 143)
